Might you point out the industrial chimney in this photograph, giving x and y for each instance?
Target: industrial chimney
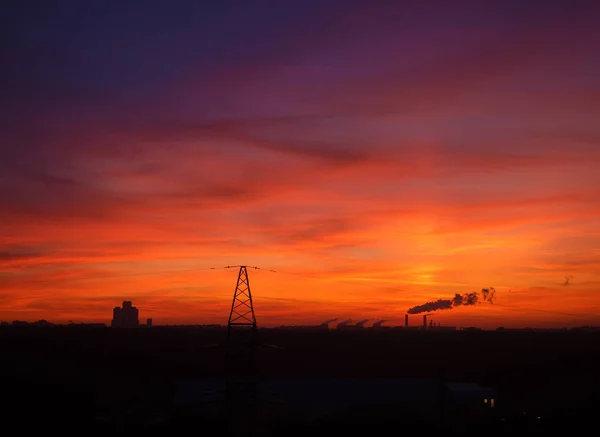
(406, 320)
(425, 320)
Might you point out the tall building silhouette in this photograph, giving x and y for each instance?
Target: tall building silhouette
(126, 316)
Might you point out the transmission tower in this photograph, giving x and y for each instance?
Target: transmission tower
(241, 316)
(240, 359)
(241, 389)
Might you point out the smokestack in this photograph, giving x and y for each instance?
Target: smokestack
(425, 321)
(406, 320)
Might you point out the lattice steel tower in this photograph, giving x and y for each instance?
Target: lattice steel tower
(241, 316)
(240, 359)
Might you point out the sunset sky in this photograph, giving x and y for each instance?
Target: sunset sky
(375, 154)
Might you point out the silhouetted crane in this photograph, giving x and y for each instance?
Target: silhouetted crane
(361, 324)
(379, 323)
(326, 323)
(344, 323)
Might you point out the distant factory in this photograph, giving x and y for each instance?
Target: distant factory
(365, 324)
(346, 324)
(432, 326)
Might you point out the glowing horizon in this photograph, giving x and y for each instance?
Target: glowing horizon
(376, 157)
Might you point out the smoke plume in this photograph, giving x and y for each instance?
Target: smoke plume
(468, 299)
(488, 294)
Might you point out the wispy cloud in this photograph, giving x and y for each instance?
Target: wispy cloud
(405, 153)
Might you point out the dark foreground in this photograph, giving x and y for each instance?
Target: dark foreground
(98, 378)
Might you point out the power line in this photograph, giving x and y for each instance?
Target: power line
(249, 267)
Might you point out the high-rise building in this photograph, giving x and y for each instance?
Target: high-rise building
(126, 316)
(116, 320)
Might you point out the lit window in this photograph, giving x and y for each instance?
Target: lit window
(492, 403)
(485, 401)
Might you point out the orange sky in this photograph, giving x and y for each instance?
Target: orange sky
(336, 254)
(374, 166)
